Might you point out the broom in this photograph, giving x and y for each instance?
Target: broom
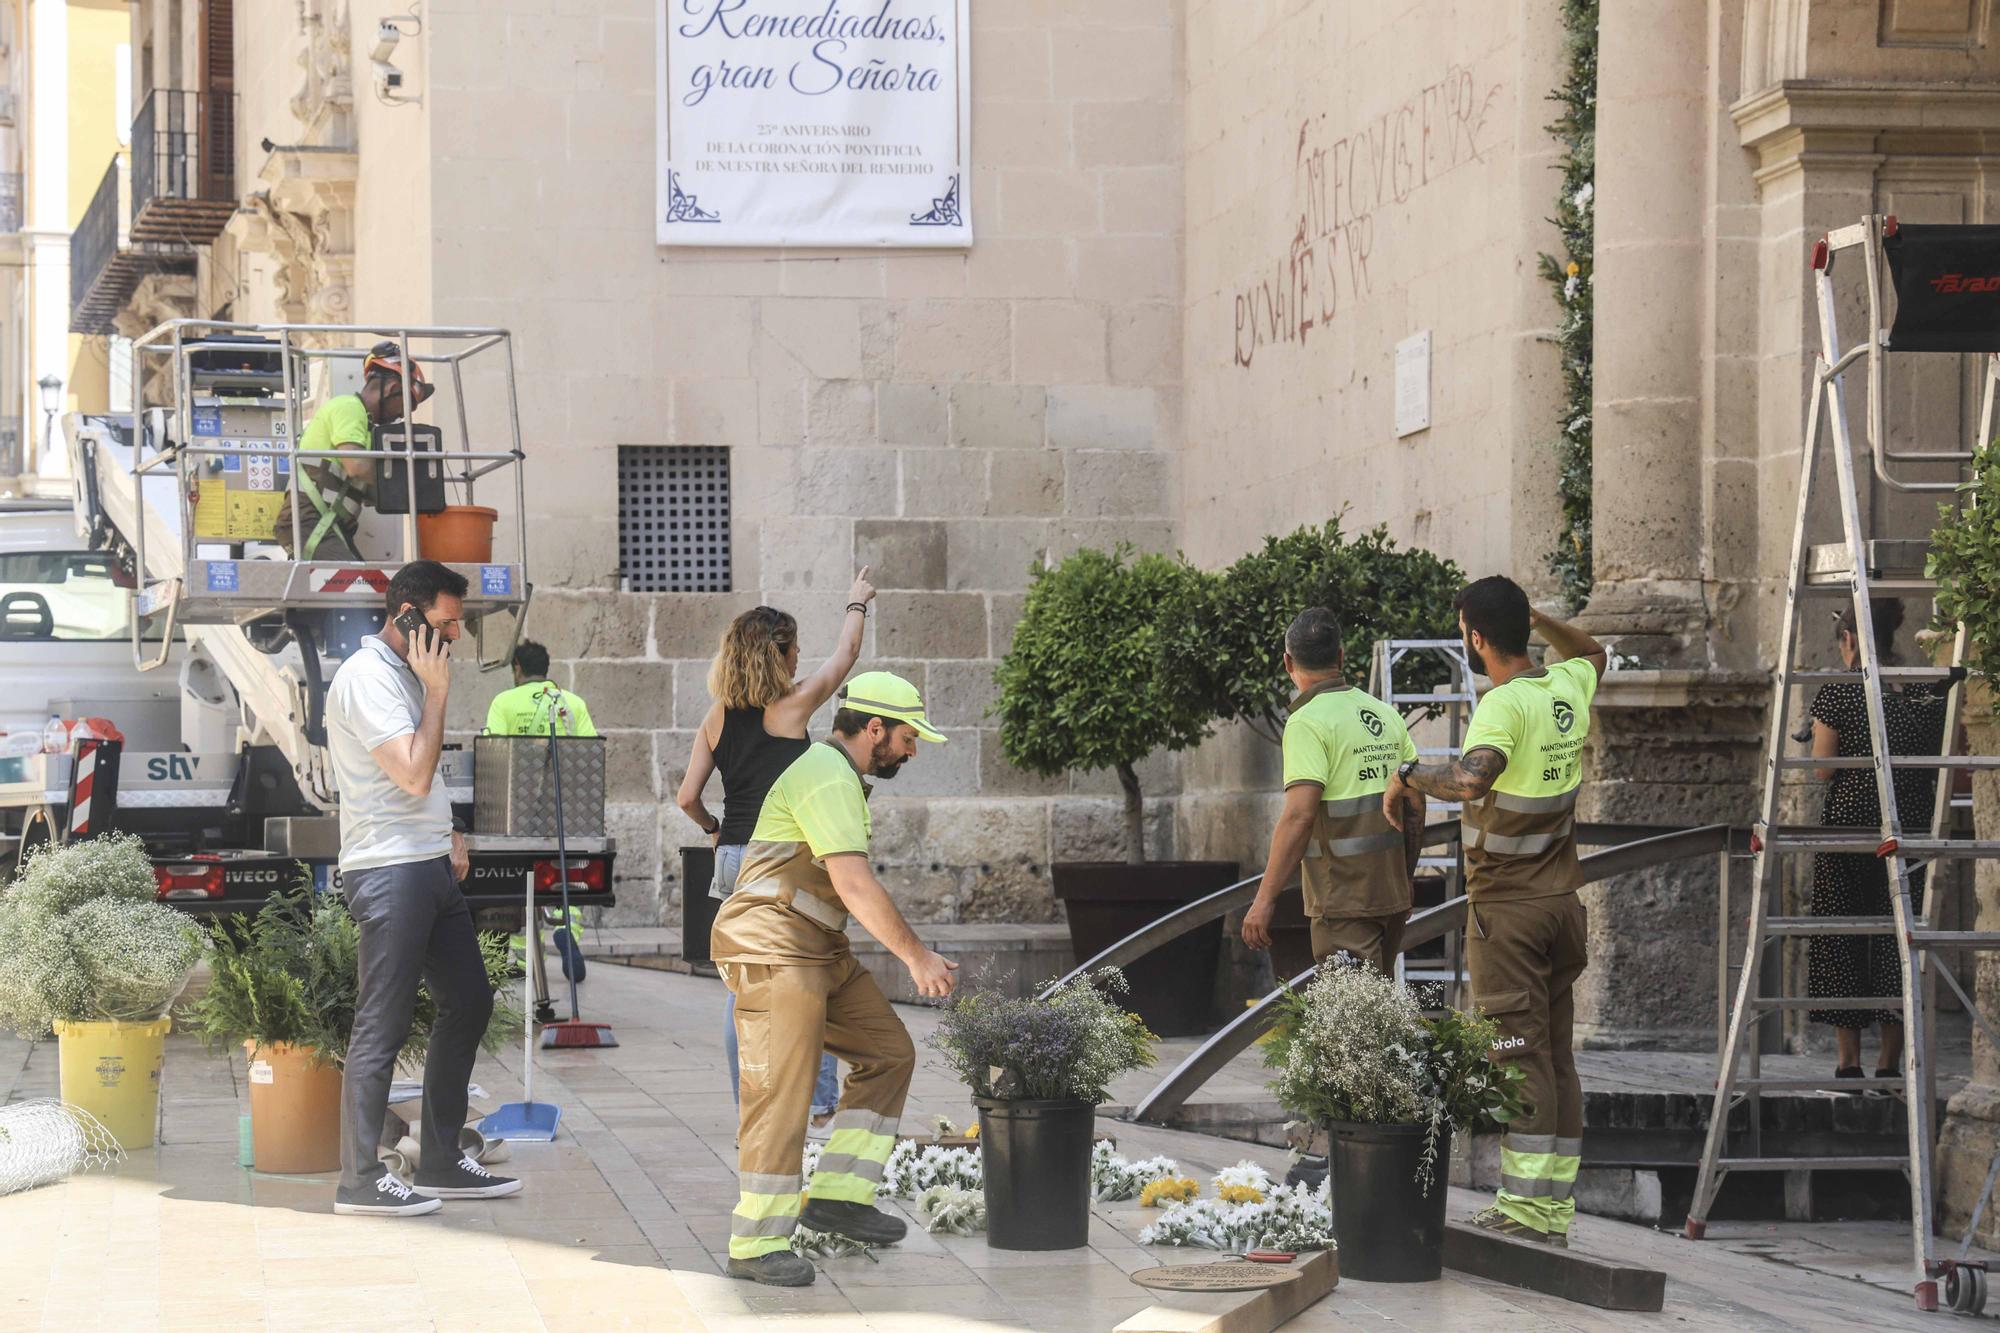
(575, 1032)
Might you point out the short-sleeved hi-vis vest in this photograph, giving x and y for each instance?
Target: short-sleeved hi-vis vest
(1349, 743)
(1520, 840)
(785, 909)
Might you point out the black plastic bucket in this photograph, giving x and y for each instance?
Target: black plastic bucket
(1037, 1162)
(1387, 1228)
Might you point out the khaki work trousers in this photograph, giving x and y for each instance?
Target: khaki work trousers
(1523, 956)
(1374, 940)
(785, 1017)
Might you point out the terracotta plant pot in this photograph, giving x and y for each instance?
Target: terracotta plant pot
(457, 534)
(294, 1110)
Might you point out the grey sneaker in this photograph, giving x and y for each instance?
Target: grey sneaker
(465, 1180)
(779, 1268)
(384, 1196)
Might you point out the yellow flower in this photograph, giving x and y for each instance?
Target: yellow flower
(1240, 1194)
(1574, 268)
(1168, 1189)
(972, 1130)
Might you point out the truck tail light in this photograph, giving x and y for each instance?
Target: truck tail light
(197, 878)
(586, 873)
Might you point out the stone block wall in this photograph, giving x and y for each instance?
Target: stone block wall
(950, 419)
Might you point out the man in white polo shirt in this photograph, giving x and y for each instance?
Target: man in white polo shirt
(400, 864)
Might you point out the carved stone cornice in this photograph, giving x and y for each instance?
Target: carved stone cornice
(1841, 123)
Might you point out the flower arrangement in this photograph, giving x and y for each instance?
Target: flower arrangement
(291, 976)
(1354, 1046)
(952, 1212)
(1289, 1218)
(1246, 1182)
(82, 939)
(914, 1168)
(1066, 1046)
(1114, 1180)
(1168, 1189)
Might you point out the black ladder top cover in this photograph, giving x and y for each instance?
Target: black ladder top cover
(1947, 282)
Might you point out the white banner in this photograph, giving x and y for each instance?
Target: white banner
(815, 123)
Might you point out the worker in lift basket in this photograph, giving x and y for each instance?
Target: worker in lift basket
(336, 493)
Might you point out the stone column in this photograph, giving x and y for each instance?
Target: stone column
(1972, 1118)
(1651, 202)
(1683, 745)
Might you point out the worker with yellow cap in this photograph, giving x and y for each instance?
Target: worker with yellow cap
(336, 493)
(780, 943)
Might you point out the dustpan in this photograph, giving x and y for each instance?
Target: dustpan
(526, 1121)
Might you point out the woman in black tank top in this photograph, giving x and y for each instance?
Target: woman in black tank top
(755, 729)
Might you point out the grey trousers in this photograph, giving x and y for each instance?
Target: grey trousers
(414, 927)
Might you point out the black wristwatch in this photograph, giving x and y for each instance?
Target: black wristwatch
(1407, 767)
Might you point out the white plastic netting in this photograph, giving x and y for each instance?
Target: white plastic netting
(44, 1141)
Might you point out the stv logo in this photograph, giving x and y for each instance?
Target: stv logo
(1372, 722)
(1952, 284)
(1565, 717)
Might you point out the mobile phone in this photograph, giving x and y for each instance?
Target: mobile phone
(410, 622)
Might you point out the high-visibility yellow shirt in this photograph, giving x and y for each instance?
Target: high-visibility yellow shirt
(1520, 840)
(1349, 744)
(524, 711)
(785, 909)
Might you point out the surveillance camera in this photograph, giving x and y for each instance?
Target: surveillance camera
(386, 37)
(387, 77)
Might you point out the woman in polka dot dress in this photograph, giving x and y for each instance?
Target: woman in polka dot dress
(1847, 884)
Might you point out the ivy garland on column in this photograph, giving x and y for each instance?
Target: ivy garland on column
(1571, 277)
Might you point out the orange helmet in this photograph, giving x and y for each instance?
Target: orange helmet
(386, 358)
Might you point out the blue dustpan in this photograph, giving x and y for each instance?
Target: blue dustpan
(534, 1122)
(527, 1121)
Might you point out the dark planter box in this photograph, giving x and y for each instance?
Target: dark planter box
(1173, 987)
(697, 908)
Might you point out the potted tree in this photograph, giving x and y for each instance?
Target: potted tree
(284, 985)
(1080, 692)
(1222, 642)
(1038, 1070)
(1355, 1053)
(87, 953)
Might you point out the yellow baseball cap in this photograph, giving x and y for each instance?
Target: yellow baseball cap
(885, 694)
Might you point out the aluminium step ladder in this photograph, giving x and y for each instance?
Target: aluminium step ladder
(1927, 267)
(1455, 701)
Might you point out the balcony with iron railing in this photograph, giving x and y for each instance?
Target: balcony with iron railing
(183, 166)
(106, 262)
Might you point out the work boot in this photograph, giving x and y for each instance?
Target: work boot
(854, 1221)
(1492, 1219)
(779, 1268)
(1559, 1239)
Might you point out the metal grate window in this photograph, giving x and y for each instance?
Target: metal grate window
(673, 518)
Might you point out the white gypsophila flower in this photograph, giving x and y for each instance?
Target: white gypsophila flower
(136, 956)
(58, 879)
(1582, 199)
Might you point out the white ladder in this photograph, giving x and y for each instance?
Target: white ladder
(1852, 571)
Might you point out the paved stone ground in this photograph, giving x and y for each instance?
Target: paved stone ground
(627, 1214)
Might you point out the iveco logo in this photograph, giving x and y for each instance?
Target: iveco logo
(1372, 722)
(1565, 717)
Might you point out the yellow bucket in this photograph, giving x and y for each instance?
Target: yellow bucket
(112, 1070)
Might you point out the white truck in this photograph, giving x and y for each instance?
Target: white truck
(158, 600)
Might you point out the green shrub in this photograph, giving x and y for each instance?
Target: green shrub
(291, 975)
(1223, 643)
(1965, 561)
(1081, 690)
